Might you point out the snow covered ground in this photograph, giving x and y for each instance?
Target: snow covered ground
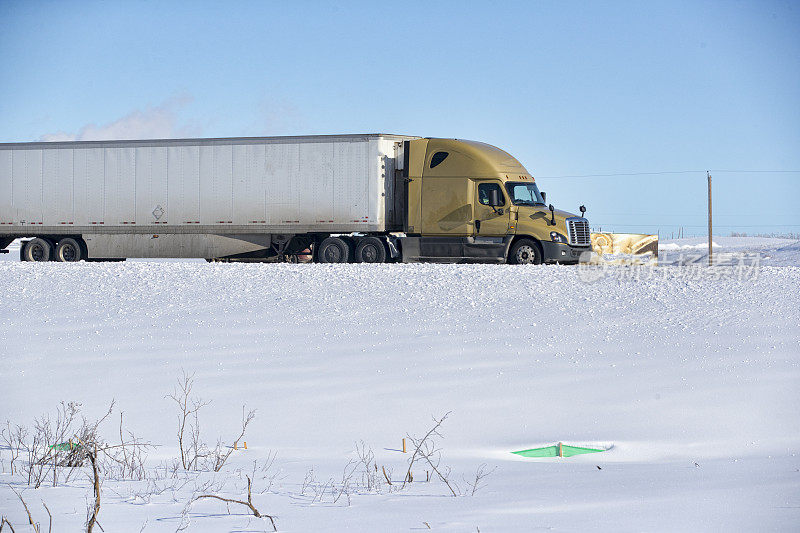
(771, 251)
(689, 377)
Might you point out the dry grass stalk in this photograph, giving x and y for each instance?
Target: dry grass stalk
(219, 457)
(4, 522)
(248, 503)
(50, 526)
(189, 408)
(33, 524)
(95, 509)
(425, 449)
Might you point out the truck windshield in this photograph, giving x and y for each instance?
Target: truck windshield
(524, 193)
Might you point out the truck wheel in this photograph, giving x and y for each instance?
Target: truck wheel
(525, 252)
(68, 251)
(370, 250)
(333, 250)
(37, 250)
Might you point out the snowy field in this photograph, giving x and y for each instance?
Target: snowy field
(689, 377)
(771, 251)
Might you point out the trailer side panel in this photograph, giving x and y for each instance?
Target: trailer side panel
(274, 185)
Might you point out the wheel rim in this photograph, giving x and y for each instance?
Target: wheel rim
(37, 252)
(369, 254)
(332, 254)
(68, 253)
(526, 255)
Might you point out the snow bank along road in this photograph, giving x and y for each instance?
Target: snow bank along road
(692, 381)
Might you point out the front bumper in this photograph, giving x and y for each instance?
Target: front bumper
(556, 252)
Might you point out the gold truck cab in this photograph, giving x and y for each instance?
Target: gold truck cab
(473, 202)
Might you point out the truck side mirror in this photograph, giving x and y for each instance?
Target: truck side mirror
(544, 197)
(494, 198)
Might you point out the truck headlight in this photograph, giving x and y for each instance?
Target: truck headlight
(557, 237)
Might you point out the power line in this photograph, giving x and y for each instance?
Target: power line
(596, 214)
(625, 174)
(617, 174)
(760, 171)
(676, 224)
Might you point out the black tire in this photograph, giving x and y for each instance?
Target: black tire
(525, 252)
(333, 250)
(69, 251)
(370, 250)
(38, 250)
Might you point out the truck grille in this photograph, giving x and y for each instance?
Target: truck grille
(578, 229)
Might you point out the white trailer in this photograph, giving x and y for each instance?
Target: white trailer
(340, 198)
(197, 197)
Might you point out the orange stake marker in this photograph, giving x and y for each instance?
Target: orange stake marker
(245, 445)
(404, 445)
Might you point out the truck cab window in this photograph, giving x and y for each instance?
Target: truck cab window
(437, 158)
(483, 193)
(524, 193)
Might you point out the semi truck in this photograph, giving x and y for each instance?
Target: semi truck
(370, 198)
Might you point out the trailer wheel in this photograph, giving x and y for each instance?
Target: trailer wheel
(68, 251)
(38, 250)
(333, 250)
(370, 250)
(525, 252)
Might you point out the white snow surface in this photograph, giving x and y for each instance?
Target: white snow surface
(771, 251)
(691, 381)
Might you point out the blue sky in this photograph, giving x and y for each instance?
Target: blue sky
(569, 88)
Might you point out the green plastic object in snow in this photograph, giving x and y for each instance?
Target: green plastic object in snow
(64, 446)
(557, 450)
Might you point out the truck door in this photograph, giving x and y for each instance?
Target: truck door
(490, 222)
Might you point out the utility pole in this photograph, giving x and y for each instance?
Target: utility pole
(710, 260)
